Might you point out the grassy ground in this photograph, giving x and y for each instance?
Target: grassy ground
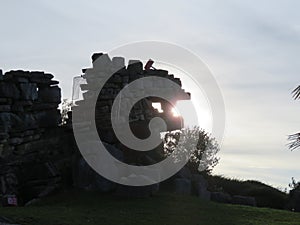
(77, 208)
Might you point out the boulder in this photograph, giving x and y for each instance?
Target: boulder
(198, 179)
(84, 177)
(49, 94)
(9, 90)
(118, 62)
(136, 191)
(29, 121)
(199, 186)
(203, 193)
(184, 173)
(9, 121)
(49, 118)
(182, 186)
(135, 67)
(243, 200)
(28, 91)
(5, 108)
(101, 62)
(221, 197)
(40, 78)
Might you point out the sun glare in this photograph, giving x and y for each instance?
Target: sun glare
(175, 112)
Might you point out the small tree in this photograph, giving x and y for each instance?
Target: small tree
(66, 107)
(295, 138)
(294, 184)
(203, 148)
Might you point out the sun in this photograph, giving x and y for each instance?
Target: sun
(175, 112)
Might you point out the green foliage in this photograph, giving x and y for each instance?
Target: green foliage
(295, 138)
(266, 196)
(66, 107)
(294, 185)
(200, 145)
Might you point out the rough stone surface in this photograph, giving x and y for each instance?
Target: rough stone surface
(199, 186)
(221, 197)
(243, 200)
(184, 173)
(28, 105)
(182, 186)
(35, 153)
(86, 178)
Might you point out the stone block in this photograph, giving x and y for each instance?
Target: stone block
(182, 186)
(243, 200)
(118, 62)
(9, 90)
(49, 118)
(184, 173)
(49, 94)
(28, 91)
(101, 62)
(5, 108)
(221, 197)
(135, 67)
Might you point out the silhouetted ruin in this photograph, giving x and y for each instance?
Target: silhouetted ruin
(38, 156)
(140, 116)
(141, 113)
(31, 140)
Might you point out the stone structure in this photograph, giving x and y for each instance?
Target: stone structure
(37, 155)
(243, 200)
(141, 113)
(29, 135)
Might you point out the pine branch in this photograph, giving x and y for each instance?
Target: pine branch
(294, 141)
(296, 93)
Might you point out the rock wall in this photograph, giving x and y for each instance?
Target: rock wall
(37, 155)
(140, 115)
(142, 112)
(29, 133)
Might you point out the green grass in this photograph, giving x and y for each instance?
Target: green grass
(81, 208)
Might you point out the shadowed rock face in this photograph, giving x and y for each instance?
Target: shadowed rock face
(243, 200)
(30, 139)
(36, 154)
(141, 113)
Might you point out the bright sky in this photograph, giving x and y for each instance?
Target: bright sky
(252, 48)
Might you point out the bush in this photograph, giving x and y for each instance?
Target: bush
(266, 196)
(201, 146)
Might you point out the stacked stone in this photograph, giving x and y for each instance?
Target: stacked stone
(120, 77)
(110, 76)
(28, 107)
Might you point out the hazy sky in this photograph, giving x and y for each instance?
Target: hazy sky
(252, 48)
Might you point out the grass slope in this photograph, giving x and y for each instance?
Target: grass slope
(77, 208)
